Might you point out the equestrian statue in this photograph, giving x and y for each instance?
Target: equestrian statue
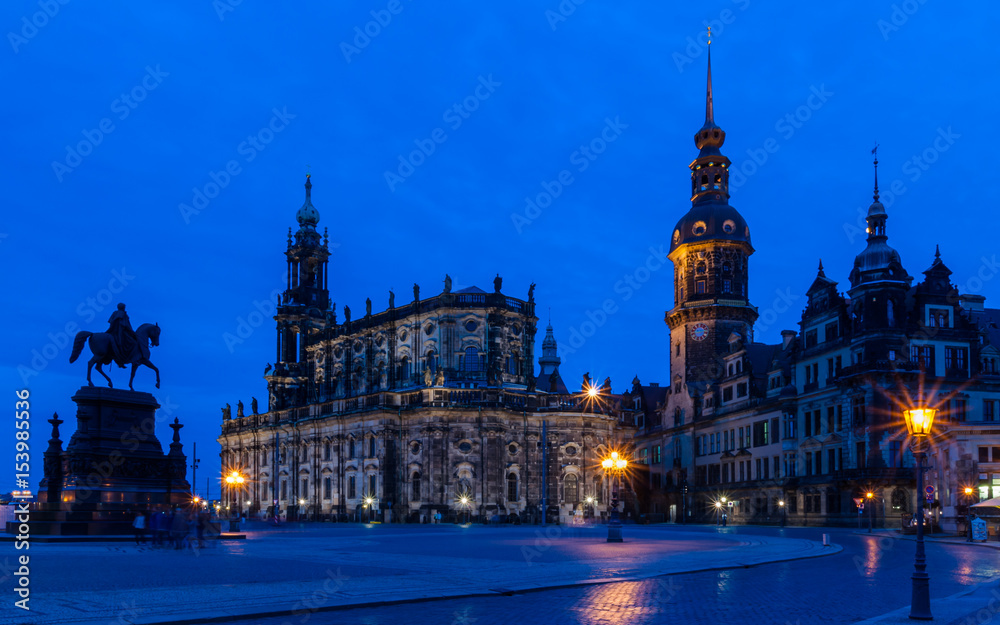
(119, 344)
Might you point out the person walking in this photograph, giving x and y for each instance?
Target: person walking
(139, 526)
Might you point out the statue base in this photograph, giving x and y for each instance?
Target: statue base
(113, 466)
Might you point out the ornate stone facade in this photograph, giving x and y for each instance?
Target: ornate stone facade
(430, 407)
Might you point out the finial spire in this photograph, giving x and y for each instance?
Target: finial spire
(875, 154)
(309, 186)
(709, 108)
(821, 267)
(937, 251)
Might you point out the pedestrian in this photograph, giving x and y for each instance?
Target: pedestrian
(725, 519)
(156, 528)
(178, 528)
(139, 526)
(200, 521)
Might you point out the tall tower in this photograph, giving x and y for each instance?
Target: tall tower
(709, 247)
(303, 309)
(879, 287)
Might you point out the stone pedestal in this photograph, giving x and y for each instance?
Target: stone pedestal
(113, 465)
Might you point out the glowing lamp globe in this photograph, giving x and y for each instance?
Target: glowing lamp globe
(919, 421)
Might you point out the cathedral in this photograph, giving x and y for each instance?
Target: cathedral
(427, 410)
(431, 409)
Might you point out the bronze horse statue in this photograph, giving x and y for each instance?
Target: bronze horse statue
(100, 346)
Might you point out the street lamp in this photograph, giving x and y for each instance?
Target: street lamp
(871, 509)
(781, 504)
(590, 500)
(968, 490)
(464, 501)
(234, 481)
(918, 424)
(368, 509)
(614, 465)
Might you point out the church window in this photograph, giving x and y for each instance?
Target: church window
(699, 287)
(728, 227)
(371, 447)
(571, 491)
(704, 183)
(263, 459)
(371, 484)
(352, 487)
(727, 393)
(701, 268)
(471, 362)
(682, 292)
(699, 228)
(404, 368)
(326, 451)
(415, 487)
(727, 286)
(284, 489)
(327, 487)
(350, 449)
(512, 487)
(470, 325)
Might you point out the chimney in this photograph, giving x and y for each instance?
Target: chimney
(786, 338)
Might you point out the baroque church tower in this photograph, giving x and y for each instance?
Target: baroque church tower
(709, 248)
(304, 309)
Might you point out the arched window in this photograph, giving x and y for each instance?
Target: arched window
(404, 369)
(350, 449)
(371, 447)
(430, 360)
(704, 182)
(512, 487)
(415, 486)
(900, 502)
(263, 457)
(571, 490)
(718, 181)
(471, 359)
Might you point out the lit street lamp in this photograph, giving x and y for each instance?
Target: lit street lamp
(968, 508)
(869, 496)
(918, 424)
(234, 481)
(590, 500)
(464, 501)
(781, 504)
(368, 509)
(614, 465)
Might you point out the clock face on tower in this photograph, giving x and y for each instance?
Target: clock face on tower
(699, 331)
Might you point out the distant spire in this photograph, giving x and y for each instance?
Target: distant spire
(937, 251)
(875, 154)
(821, 274)
(709, 108)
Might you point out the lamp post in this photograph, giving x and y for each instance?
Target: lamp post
(781, 504)
(968, 509)
(368, 509)
(590, 501)
(869, 497)
(234, 482)
(464, 501)
(918, 424)
(614, 465)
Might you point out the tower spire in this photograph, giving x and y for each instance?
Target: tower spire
(709, 108)
(875, 154)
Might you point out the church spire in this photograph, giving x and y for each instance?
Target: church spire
(875, 154)
(709, 107)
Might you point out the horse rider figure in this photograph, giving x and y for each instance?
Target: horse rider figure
(124, 342)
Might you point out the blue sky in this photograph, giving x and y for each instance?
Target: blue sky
(123, 118)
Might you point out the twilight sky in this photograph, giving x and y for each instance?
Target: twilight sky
(155, 155)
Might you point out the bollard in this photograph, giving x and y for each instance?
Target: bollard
(826, 540)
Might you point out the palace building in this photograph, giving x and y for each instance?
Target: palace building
(804, 429)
